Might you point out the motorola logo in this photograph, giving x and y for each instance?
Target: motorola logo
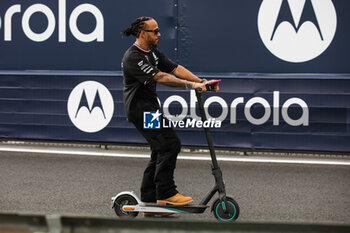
(60, 18)
(90, 106)
(297, 30)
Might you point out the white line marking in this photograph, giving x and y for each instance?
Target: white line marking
(182, 157)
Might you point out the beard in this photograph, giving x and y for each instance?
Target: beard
(155, 44)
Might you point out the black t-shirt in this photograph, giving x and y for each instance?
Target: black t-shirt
(139, 68)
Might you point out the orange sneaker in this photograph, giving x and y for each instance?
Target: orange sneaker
(177, 199)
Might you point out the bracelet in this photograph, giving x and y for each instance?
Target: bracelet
(190, 84)
(203, 80)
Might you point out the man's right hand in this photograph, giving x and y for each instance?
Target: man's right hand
(201, 87)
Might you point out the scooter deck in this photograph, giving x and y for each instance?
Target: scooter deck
(151, 207)
(190, 209)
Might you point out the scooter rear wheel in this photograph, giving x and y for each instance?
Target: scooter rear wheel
(125, 200)
(232, 210)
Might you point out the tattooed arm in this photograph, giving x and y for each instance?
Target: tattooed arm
(172, 81)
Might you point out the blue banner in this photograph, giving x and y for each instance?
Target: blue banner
(265, 36)
(75, 35)
(284, 65)
(287, 112)
(258, 36)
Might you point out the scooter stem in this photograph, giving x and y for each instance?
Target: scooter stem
(216, 171)
(207, 132)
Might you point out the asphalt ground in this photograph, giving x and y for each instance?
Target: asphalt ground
(72, 184)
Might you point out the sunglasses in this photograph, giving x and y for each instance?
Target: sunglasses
(155, 31)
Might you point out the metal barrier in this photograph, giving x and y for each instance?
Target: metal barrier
(75, 224)
(22, 223)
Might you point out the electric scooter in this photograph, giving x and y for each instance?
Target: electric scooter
(127, 205)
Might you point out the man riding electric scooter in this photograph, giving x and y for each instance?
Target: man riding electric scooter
(143, 67)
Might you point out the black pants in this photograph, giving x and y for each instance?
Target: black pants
(158, 178)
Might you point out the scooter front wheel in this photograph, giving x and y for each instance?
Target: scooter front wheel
(125, 200)
(226, 212)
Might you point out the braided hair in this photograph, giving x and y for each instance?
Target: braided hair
(136, 27)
